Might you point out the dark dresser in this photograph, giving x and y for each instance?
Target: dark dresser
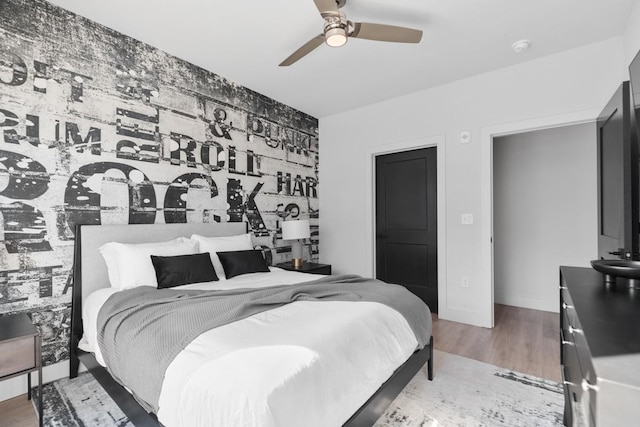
(599, 350)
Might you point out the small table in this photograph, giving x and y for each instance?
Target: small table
(307, 267)
(20, 352)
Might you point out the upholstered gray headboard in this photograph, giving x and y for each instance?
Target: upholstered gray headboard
(90, 270)
(90, 265)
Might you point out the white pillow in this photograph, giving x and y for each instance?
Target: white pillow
(212, 245)
(129, 265)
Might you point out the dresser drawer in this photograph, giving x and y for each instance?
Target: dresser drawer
(572, 372)
(17, 355)
(567, 306)
(574, 410)
(569, 327)
(579, 404)
(572, 331)
(564, 344)
(575, 334)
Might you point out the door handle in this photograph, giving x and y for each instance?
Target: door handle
(382, 236)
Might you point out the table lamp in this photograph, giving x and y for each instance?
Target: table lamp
(296, 230)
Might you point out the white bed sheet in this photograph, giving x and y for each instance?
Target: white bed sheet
(327, 357)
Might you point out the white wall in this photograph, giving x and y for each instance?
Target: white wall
(632, 36)
(573, 81)
(544, 211)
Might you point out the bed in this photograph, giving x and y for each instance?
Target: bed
(344, 385)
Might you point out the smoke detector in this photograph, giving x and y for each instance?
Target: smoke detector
(521, 45)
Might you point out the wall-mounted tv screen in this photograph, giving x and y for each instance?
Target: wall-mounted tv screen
(618, 178)
(634, 79)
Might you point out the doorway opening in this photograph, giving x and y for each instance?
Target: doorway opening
(544, 211)
(486, 299)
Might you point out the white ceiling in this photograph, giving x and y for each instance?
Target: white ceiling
(245, 40)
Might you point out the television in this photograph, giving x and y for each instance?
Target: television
(618, 177)
(634, 81)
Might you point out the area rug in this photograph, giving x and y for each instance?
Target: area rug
(79, 402)
(464, 392)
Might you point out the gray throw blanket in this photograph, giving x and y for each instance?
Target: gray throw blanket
(141, 330)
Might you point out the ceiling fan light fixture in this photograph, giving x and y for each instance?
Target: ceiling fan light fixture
(335, 37)
(337, 30)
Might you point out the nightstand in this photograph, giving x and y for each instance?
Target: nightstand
(20, 352)
(307, 267)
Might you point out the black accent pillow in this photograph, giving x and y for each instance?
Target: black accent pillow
(183, 269)
(236, 263)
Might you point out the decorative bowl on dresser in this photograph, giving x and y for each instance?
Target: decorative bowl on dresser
(623, 268)
(599, 349)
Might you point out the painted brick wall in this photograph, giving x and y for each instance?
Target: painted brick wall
(99, 128)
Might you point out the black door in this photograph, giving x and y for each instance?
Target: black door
(406, 222)
(617, 179)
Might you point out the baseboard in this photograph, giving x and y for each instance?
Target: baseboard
(18, 386)
(462, 315)
(525, 302)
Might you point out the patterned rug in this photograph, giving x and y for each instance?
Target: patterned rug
(464, 392)
(80, 402)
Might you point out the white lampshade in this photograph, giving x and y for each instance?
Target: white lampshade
(298, 229)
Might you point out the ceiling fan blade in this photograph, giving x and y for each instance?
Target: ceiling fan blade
(385, 33)
(304, 50)
(326, 6)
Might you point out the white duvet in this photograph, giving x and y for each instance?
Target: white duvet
(303, 364)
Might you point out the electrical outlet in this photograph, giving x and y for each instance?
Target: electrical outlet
(465, 282)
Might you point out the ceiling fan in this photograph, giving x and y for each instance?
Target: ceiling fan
(337, 29)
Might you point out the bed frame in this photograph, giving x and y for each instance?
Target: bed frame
(89, 238)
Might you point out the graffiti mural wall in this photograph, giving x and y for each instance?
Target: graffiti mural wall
(98, 128)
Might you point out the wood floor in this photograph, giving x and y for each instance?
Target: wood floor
(523, 340)
(17, 412)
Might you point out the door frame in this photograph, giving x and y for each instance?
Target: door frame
(486, 192)
(371, 153)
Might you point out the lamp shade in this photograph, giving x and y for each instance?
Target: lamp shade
(298, 229)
